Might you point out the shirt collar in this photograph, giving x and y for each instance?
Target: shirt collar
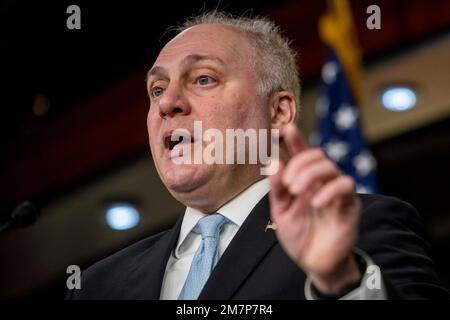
(236, 210)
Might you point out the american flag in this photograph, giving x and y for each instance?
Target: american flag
(339, 130)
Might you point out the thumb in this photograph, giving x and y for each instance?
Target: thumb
(279, 195)
(293, 139)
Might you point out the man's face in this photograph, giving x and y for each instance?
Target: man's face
(204, 74)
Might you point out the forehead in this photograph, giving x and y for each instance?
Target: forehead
(224, 42)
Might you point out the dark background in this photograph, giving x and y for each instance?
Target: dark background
(86, 134)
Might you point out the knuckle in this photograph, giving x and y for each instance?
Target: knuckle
(330, 166)
(348, 182)
(297, 158)
(318, 152)
(306, 177)
(303, 176)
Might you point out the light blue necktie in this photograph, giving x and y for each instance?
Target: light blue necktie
(206, 257)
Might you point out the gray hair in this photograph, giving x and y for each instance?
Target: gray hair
(276, 61)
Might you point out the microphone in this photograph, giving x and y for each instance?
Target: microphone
(24, 214)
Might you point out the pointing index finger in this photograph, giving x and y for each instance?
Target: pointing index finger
(293, 139)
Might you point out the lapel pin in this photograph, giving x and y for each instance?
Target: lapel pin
(271, 225)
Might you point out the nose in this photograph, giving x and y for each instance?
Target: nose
(173, 102)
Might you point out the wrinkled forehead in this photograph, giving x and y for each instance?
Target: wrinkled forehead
(224, 42)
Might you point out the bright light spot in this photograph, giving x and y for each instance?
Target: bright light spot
(399, 98)
(122, 216)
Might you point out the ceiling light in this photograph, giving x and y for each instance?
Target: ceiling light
(399, 98)
(122, 216)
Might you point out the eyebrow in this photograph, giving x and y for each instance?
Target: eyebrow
(160, 71)
(190, 59)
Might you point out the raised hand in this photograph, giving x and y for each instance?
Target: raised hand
(316, 211)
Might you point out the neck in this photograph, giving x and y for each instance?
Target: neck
(217, 200)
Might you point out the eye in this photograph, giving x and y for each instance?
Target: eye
(157, 91)
(205, 80)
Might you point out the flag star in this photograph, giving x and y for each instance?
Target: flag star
(329, 72)
(336, 150)
(345, 117)
(322, 106)
(363, 189)
(364, 163)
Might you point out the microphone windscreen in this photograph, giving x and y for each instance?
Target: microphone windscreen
(24, 215)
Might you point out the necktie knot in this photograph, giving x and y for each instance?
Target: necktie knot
(211, 225)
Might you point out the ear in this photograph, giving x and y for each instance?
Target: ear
(283, 109)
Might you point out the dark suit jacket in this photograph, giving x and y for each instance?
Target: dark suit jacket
(254, 266)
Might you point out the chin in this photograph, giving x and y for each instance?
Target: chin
(184, 178)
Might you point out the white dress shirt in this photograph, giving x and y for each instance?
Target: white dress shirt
(236, 210)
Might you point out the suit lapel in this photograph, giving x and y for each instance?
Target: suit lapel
(246, 250)
(147, 270)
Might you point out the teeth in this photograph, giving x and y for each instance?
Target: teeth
(181, 137)
(184, 141)
(178, 137)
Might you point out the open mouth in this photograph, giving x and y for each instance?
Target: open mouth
(171, 139)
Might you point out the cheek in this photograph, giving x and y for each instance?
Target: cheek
(153, 125)
(149, 122)
(245, 109)
(210, 111)
(232, 105)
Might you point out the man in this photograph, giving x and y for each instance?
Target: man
(310, 237)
